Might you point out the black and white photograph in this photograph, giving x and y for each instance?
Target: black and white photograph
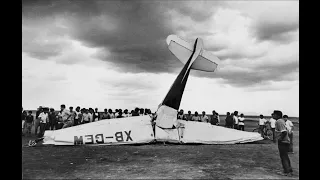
(160, 89)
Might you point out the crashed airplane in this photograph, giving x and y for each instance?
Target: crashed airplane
(166, 127)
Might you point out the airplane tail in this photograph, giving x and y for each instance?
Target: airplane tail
(194, 57)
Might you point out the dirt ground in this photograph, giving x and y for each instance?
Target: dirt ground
(259, 160)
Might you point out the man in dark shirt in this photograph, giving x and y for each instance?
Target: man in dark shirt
(214, 118)
(283, 142)
(29, 120)
(52, 119)
(229, 121)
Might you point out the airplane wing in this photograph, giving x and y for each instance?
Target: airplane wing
(183, 49)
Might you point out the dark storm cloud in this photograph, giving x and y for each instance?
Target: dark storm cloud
(254, 76)
(134, 32)
(278, 31)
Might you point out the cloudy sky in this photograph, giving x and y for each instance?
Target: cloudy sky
(113, 54)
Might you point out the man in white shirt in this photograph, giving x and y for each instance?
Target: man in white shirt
(44, 118)
(204, 117)
(77, 117)
(196, 117)
(241, 122)
(289, 126)
(65, 116)
(273, 127)
(262, 123)
(236, 120)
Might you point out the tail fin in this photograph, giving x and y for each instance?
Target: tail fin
(183, 49)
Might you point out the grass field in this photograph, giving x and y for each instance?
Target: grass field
(259, 160)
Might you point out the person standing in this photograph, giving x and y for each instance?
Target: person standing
(273, 127)
(77, 116)
(289, 126)
(23, 118)
(85, 116)
(214, 118)
(204, 117)
(37, 120)
(196, 117)
(52, 119)
(236, 120)
(111, 115)
(72, 115)
(29, 121)
(104, 114)
(44, 119)
(189, 116)
(126, 114)
(181, 115)
(96, 115)
(65, 116)
(262, 123)
(241, 122)
(283, 142)
(229, 121)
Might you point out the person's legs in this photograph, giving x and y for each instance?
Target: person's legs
(42, 129)
(283, 150)
(262, 131)
(241, 127)
(29, 128)
(291, 142)
(36, 126)
(274, 134)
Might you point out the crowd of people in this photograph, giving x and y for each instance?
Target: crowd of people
(49, 119)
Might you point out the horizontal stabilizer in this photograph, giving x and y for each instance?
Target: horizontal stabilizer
(183, 49)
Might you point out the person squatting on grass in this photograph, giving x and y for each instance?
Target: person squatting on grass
(289, 126)
(241, 122)
(283, 142)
